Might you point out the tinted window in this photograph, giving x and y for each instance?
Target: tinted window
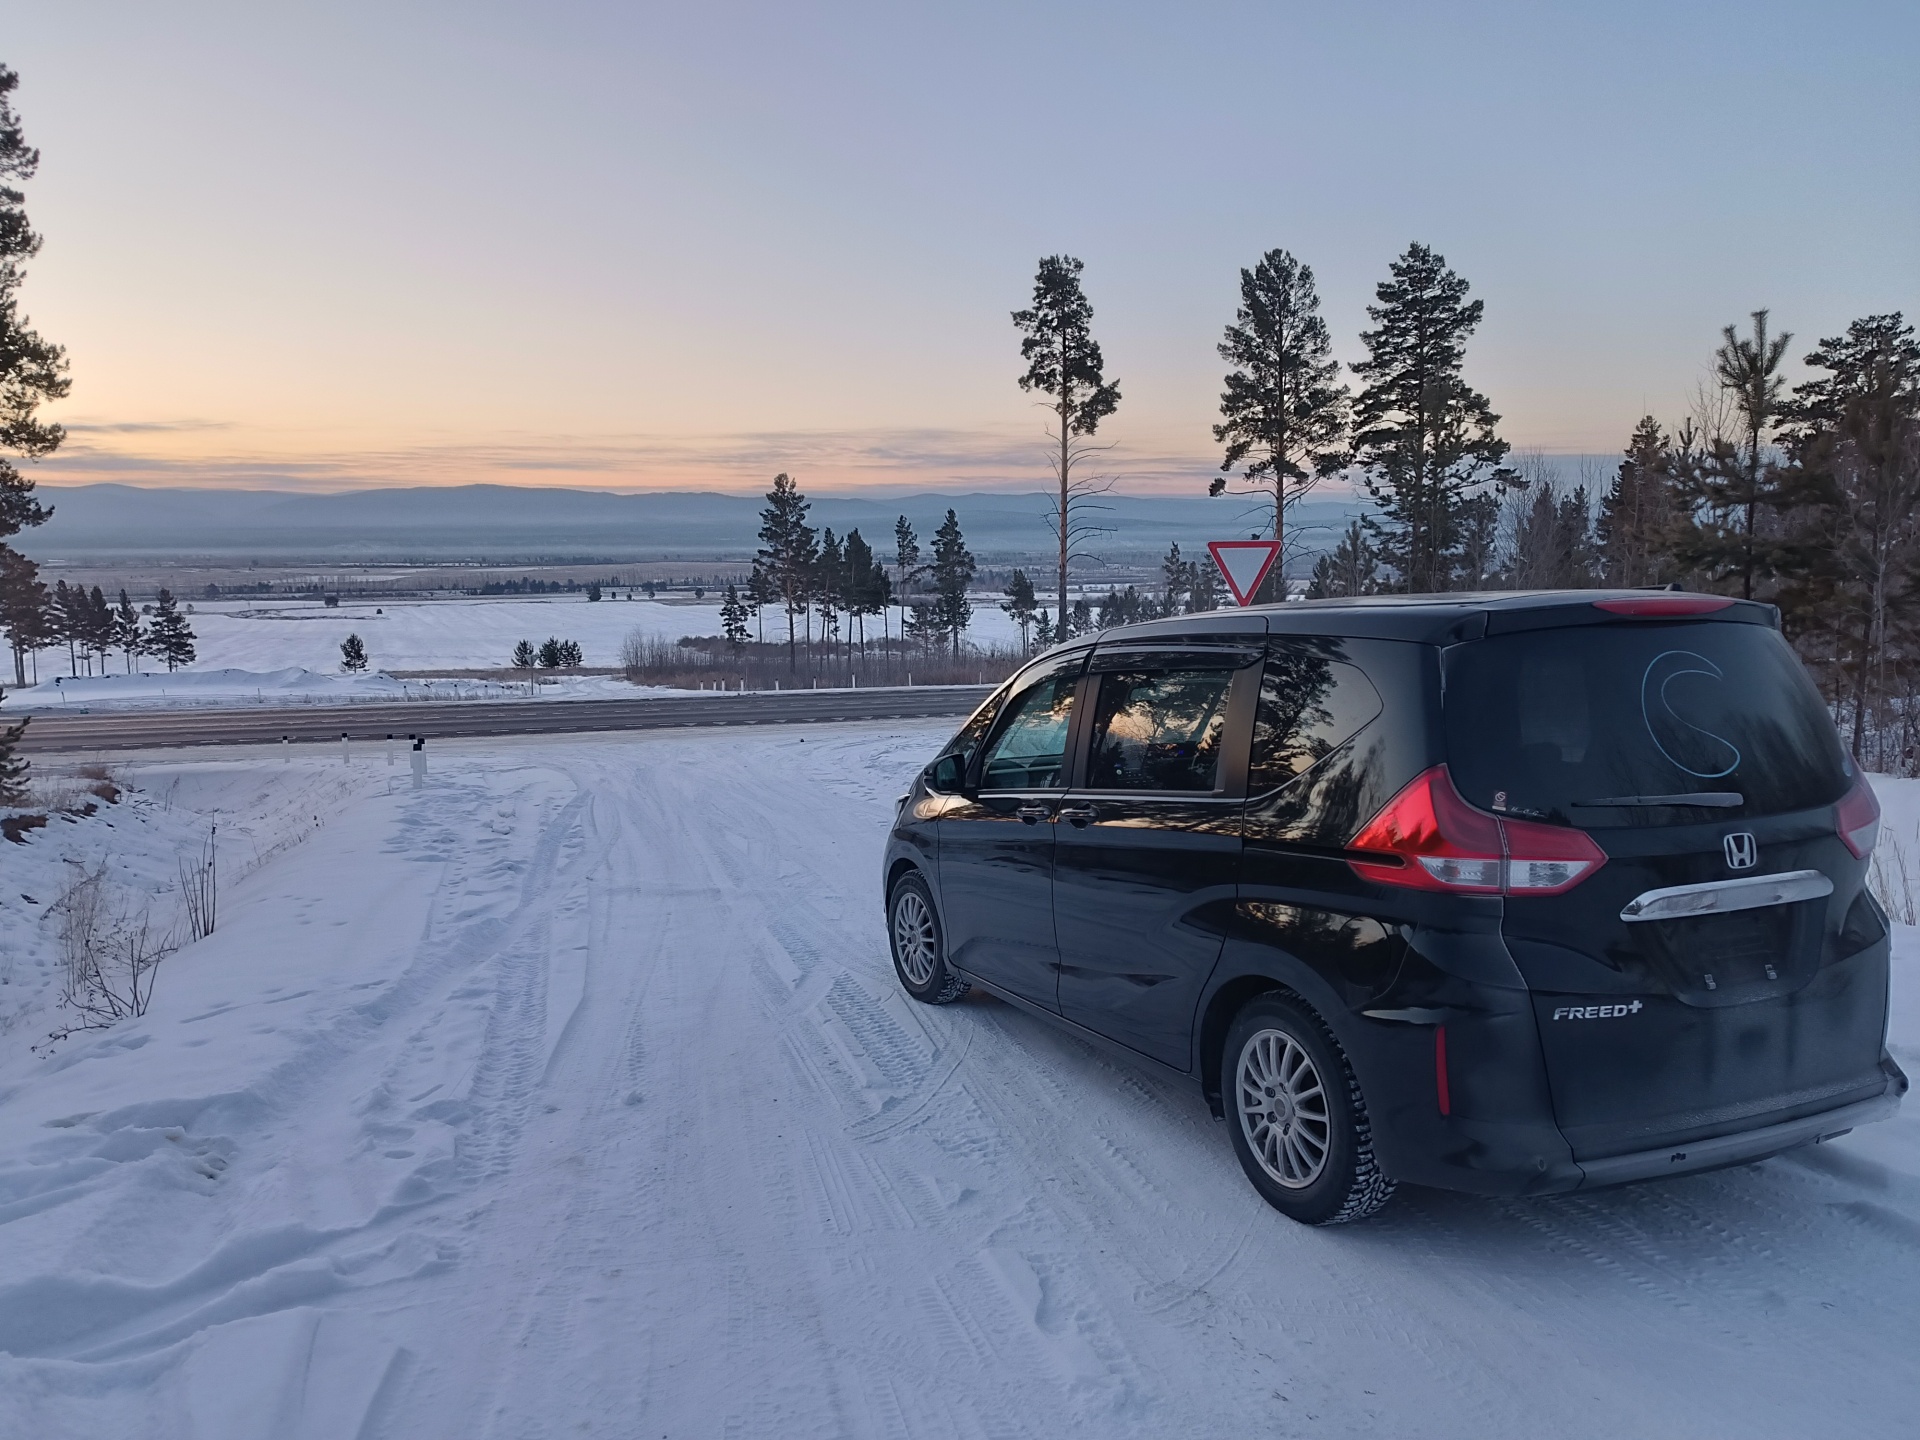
(1030, 751)
(1538, 722)
(1309, 706)
(1158, 729)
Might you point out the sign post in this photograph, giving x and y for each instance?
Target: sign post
(1244, 564)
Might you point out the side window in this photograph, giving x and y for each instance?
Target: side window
(1030, 750)
(1309, 706)
(967, 741)
(1158, 729)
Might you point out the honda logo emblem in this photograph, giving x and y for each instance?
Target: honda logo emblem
(1742, 850)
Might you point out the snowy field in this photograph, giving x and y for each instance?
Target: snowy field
(228, 689)
(464, 634)
(288, 652)
(574, 1095)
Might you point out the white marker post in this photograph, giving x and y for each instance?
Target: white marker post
(419, 759)
(1244, 564)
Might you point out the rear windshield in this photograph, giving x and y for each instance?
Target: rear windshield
(1546, 722)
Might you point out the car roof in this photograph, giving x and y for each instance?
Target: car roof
(1429, 619)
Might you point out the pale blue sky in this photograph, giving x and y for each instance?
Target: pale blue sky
(686, 245)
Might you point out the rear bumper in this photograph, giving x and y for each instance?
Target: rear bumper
(1744, 1145)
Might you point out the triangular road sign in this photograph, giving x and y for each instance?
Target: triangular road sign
(1245, 564)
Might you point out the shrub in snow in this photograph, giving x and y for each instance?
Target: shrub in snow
(111, 951)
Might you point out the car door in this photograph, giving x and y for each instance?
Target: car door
(1147, 852)
(996, 850)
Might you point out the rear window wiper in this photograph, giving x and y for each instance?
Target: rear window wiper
(1706, 799)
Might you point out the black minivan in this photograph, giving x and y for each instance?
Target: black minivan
(1513, 894)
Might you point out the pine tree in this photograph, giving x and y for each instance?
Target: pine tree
(1351, 568)
(1479, 558)
(100, 627)
(169, 635)
(1176, 580)
(953, 572)
(13, 765)
(23, 609)
(69, 622)
(1021, 605)
(867, 588)
(550, 655)
(906, 565)
(593, 590)
(1877, 355)
(788, 548)
(127, 633)
(1283, 417)
(759, 595)
(1855, 436)
(733, 619)
(830, 584)
(1203, 586)
(1727, 537)
(1064, 362)
(32, 371)
(1635, 532)
(571, 656)
(1425, 440)
(1553, 539)
(525, 657)
(353, 654)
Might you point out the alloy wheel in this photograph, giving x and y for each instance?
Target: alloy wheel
(913, 938)
(1283, 1108)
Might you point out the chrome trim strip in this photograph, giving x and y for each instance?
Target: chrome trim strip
(1717, 897)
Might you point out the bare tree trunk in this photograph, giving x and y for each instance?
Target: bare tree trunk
(1064, 461)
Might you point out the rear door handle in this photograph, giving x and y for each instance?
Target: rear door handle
(1033, 814)
(1081, 815)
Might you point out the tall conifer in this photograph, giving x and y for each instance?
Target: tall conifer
(789, 548)
(1283, 417)
(1424, 438)
(1064, 363)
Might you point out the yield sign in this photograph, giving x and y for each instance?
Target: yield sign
(1245, 564)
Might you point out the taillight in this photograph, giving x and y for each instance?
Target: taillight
(1429, 838)
(1857, 818)
(1655, 606)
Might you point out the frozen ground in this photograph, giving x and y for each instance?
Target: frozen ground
(574, 1096)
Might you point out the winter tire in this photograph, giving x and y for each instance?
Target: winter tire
(1296, 1116)
(919, 949)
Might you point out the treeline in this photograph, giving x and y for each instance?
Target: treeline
(814, 578)
(86, 624)
(1807, 497)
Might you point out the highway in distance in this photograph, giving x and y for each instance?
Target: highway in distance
(53, 732)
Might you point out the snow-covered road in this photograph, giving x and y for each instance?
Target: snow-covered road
(575, 1096)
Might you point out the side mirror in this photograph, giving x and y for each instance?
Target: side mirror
(947, 775)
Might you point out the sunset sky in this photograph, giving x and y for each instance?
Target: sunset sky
(687, 245)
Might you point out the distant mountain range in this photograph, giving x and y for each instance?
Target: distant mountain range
(517, 524)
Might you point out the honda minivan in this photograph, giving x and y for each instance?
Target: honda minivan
(1513, 894)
